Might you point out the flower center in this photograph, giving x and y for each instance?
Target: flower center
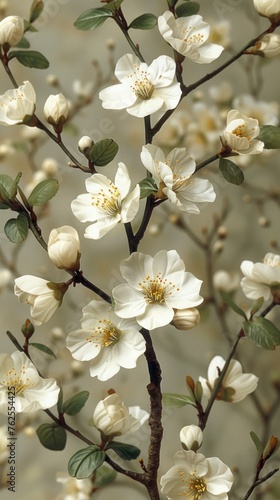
(107, 334)
(143, 89)
(243, 131)
(18, 381)
(109, 202)
(195, 486)
(196, 39)
(156, 290)
(272, 260)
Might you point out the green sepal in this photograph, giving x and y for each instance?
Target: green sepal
(52, 436)
(30, 58)
(74, 405)
(43, 192)
(270, 136)
(177, 400)
(187, 9)
(43, 348)
(23, 43)
(262, 332)
(144, 22)
(17, 229)
(123, 450)
(228, 300)
(84, 462)
(231, 172)
(102, 152)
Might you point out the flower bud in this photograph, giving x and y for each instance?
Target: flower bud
(185, 319)
(268, 8)
(56, 111)
(270, 448)
(191, 437)
(64, 248)
(28, 329)
(11, 30)
(226, 282)
(268, 46)
(85, 144)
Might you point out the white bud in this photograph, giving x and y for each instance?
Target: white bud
(64, 248)
(50, 167)
(185, 319)
(227, 282)
(268, 8)
(268, 46)
(11, 30)
(84, 145)
(53, 80)
(191, 437)
(56, 111)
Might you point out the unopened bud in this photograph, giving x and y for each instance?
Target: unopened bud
(56, 111)
(270, 448)
(185, 319)
(218, 247)
(28, 329)
(263, 222)
(53, 80)
(85, 144)
(11, 30)
(191, 437)
(222, 232)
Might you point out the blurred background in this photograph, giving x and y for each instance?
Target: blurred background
(243, 221)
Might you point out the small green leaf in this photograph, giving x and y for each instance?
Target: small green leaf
(270, 136)
(36, 10)
(92, 19)
(104, 475)
(187, 9)
(6, 187)
(104, 151)
(147, 187)
(14, 187)
(74, 405)
(84, 462)
(23, 43)
(30, 58)
(52, 436)
(29, 27)
(228, 300)
(172, 3)
(144, 22)
(177, 400)
(231, 172)
(123, 450)
(59, 404)
(262, 332)
(114, 5)
(17, 229)
(256, 442)
(198, 392)
(43, 348)
(256, 307)
(43, 192)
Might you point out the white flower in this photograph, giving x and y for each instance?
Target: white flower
(17, 105)
(185, 319)
(236, 385)
(260, 277)
(106, 204)
(227, 282)
(173, 177)
(113, 418)
(220, 33)
(56, 110)
(64, 248)
(188, 36)
(240, 133)
(267, 113)
(73, 488)
(191, 437)
(155, 287)
(43, 296)
(197, 477)
(268, 46)
(106, 339)
(4, 450)
(31, 392)
(268, 8)
(11, 30)
(143, 89)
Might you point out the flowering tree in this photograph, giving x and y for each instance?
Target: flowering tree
(195, 146)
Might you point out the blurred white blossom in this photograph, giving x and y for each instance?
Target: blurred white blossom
(261, 279)
(73, 488)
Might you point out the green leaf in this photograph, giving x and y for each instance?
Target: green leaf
(176, 400)
(7, 187)
(14, 187)
(102, 152)
(262, 332)
(114, 5)
(104, 475)
(270, 136)
(17, 229)
(43, 348)
(231, 172)
(23, 43)
(144, 22)
(36, 10)
(187, 9)
(29, 27)
(256, 442)
(256, 307)
(52, 436)
(43, 192)
(30, 58)
(228, 300)
(74, 405)
(84, 462)
(198, 392)
(172, 3)
(147, 187)
(123, 450)
(59, 404)
(92, 19)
